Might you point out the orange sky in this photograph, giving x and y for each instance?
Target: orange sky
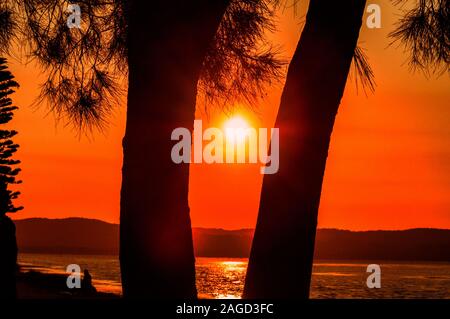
(388, 166)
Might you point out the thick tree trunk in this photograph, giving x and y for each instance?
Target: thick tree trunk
(167, 44)
(8, 253)
(283, 246)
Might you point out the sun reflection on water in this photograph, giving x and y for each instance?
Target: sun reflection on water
(221, 278)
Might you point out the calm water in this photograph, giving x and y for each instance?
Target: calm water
(224, 277)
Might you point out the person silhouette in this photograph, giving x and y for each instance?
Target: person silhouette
(86, 283)
(8, 257)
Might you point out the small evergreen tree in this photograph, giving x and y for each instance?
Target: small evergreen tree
(8, 165)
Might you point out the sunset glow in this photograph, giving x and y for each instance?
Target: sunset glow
(202, 150)
(235, 128)
(378, 141)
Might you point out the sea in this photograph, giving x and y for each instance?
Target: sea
(224, 277)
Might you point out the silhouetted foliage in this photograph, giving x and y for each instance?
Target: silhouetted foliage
(8, 173)
(362, 70)
(85, 66)
(424, 31)
(8, 166)
(240, 63)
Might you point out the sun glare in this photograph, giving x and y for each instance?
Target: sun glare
(235, 128)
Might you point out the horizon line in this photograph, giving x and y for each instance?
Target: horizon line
(237, 229)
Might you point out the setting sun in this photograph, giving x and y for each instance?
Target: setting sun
(236, 127)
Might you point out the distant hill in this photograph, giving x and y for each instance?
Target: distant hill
(412, 244)
(67, 236)
(89, 236)
(212, 242)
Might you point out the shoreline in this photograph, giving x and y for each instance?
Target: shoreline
(35, 282)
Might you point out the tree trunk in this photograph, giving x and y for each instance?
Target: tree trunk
(167, 43)
(283, 246)
(8, 253)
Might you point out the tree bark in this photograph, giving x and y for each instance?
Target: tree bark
(281, 258)
(167, 43)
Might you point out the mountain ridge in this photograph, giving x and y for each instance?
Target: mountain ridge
(76, 235)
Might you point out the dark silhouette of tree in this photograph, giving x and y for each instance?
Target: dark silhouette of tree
(283, 246)
(167, 51)
(8, 174)
(424, 32)
(165, 67)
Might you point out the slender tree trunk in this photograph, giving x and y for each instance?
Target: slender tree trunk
(283, 246)
(167, 43)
